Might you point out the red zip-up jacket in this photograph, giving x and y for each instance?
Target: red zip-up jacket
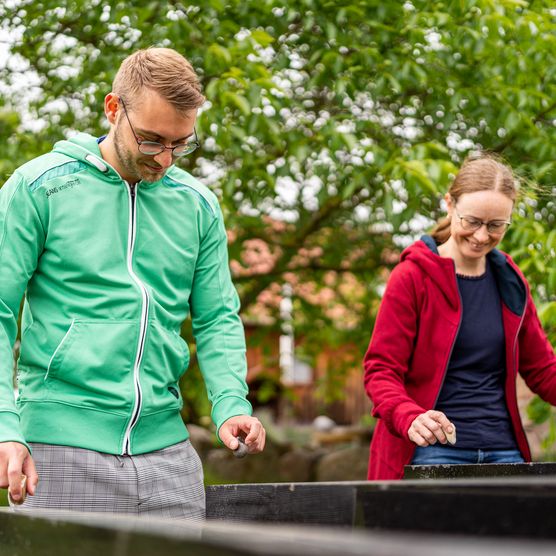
(412, 342)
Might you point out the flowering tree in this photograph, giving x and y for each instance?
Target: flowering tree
(331, 129)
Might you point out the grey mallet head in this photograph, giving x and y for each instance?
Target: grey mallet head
(241, 450)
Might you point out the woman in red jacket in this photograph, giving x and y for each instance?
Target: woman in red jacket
(456, 325)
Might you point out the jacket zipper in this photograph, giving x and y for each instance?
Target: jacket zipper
(453, 344)
(514, 351)
(126, 446)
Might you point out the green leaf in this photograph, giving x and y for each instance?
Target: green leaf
(239, 101)
(262, 37)
(211, 89)
(218, 51)
(418, 170)
(538, 410)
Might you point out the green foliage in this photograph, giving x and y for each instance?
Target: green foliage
(342, 120)
(268, 390)
(539, 412)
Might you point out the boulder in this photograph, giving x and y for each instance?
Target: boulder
(221, 466)
(345, 464)
(299, 465)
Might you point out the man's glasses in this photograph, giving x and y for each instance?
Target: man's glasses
(472, 224)
(153, 148)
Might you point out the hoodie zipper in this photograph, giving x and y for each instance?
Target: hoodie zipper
(126, 446)
(453, 343)
(515, 370)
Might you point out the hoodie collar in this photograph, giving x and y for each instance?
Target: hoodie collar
(85, 148)
(511, 286)
(440, 270)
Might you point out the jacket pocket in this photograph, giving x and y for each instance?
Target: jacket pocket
(166, 360)
(93, 364)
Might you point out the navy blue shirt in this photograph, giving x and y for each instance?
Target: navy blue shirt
(472, 396)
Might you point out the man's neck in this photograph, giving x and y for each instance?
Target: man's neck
(108, 152)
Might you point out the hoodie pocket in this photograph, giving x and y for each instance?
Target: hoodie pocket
(166, 360)
(93, 364)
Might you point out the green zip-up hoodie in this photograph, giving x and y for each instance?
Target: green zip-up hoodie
(109, 273)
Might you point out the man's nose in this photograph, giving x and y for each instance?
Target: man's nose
(164, 158)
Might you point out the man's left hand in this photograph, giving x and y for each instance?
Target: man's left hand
(249, 428)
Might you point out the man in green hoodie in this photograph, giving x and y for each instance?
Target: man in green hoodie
(113, 247)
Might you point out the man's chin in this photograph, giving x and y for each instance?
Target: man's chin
(150, 176)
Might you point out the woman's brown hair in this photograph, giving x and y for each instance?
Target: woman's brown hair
(477, 173)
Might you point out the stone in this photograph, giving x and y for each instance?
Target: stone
(323, 423)
(299, 465)
(345, 464)
(451, 436)
(221, 466)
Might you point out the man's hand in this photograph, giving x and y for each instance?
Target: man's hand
(15, 460)
(249, 428)
(430, 427)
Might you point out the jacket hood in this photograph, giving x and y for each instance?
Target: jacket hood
(84, 149)
(442, 271)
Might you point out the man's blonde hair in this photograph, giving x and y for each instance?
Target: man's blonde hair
(162, 70)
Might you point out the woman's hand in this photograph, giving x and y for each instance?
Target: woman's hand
(430, 427)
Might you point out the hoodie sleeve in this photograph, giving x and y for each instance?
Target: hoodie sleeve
(22, 238)
(217, 328)
(537, 362)
(387, 359)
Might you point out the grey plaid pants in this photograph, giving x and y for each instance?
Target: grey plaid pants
(167, 483)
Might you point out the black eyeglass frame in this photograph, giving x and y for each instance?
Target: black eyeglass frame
(188, 147)
(475, 224)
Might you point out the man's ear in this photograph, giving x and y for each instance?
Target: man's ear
(112, 106)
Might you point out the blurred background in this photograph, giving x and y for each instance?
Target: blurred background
(330, 133)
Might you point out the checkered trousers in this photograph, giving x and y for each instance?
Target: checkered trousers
(167, 483)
